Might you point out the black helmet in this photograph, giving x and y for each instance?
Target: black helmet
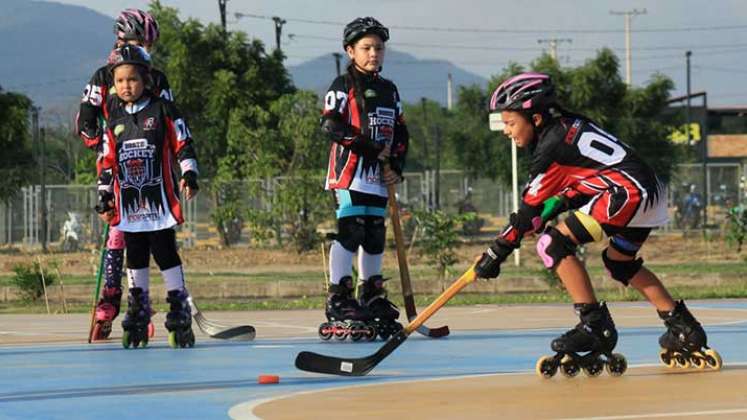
(363, 26)
(527, 92)
(129, 54)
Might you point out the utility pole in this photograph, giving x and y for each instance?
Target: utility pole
(278, 29)
(438, 167)
(222, 8)
(553, 43)
(338, 57)
(449, 89)
(628, 66)
(687, 107)
(43, 189)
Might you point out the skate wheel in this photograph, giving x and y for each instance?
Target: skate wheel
(190, 339)
(616, 364)
(356, 334)
(546, 367)
(325, 331)
(126, 339)
(594, 368)
(666, 357)
(172, 340)
(697, 360)
(151, 330)
(681, 361)
(569, 367)
(371, 333)
(340, 333)
(713, 359)
(97, 334)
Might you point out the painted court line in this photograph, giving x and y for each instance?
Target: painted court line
(662, 415)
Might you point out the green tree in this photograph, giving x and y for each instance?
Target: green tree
(16, 161)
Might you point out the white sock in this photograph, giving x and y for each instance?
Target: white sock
(138, 277)
(340, 263)
(369, 264)
(173, 278)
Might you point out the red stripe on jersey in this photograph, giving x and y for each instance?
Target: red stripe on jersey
(167, 157)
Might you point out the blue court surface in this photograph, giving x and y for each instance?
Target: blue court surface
(104, 380)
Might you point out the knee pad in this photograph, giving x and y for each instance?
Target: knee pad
(553, 246)
(351, 232)
(375, 235)
(584, 227)
(624, 246)
(116, 239)
(621, 271)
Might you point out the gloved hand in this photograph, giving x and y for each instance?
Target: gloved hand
(489, 265)
(105, 203)
(188, 184)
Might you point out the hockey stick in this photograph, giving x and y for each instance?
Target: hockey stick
(104, 237)
(220, 331)
(315, 362)
(404, 271)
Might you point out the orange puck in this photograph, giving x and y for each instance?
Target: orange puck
(268, 379)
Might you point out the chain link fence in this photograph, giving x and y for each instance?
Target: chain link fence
(71, 222)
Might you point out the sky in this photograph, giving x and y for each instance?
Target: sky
(482, 36)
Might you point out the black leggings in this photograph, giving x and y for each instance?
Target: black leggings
(161, 243)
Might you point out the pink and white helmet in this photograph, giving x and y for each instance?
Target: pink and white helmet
(136, 25)
(528, 91)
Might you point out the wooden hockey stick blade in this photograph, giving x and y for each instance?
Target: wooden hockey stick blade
(214, 330)
(404, 270)
(319, 363)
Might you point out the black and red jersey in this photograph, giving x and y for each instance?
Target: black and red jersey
(93, 103)
(360, 116)
(595, 172)
(141, 147)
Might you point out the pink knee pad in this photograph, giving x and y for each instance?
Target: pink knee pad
(116, 239)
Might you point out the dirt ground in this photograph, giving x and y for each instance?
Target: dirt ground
(662, 248)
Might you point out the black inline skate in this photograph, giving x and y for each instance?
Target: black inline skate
(685, 343)
(345, 317)
(383, 312)
(595, 336)
(136, 320)
(179, 320)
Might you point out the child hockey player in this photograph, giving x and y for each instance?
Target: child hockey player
(363, 119)
(136, 27)
(144, 136)
(578, 166)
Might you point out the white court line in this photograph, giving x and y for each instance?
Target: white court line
(660, 415)
(272, 346)
(245, 410)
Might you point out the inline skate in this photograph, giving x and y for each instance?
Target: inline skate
(685, 344)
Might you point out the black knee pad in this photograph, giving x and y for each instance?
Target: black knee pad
(351, 232)
(375, 235)
(622, 271)
(553, 246)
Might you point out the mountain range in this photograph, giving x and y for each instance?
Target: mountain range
(49, 51)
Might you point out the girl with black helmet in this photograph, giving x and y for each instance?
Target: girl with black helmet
(575, 165)
(363, 119)
(145, 136)
(133, 27)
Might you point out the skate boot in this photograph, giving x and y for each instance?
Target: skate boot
(586, 347)
(384, 312)
(179, 320)
(136, 320)
(106, 310)
(685, 343)
(345, 317)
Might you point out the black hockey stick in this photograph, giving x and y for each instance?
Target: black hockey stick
(404, 271)
(315, 362)
(220, 331)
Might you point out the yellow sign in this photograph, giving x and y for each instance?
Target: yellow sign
(679, 134)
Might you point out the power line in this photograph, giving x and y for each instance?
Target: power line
(506, 31)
